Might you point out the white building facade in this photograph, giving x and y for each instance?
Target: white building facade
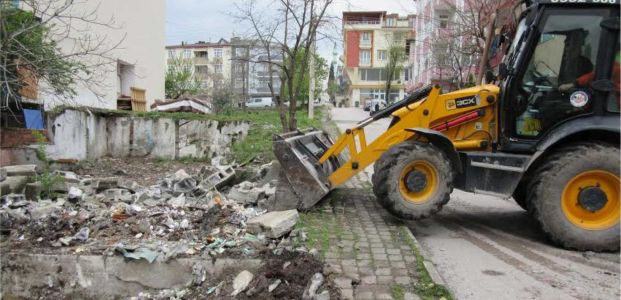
(136, 35)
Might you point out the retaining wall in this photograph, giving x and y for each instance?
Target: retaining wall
(76, 135)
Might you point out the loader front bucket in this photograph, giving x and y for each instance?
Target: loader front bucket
(303, 181)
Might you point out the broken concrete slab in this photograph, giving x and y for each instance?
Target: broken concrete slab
(20, 170)
(241, 281)
(273, 224)
(13, 185)
(119, 195)
(105, 277)
(33, 190)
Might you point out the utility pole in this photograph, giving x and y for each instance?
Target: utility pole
(311, 79)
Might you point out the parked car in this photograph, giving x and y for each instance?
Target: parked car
(376, 105)
(259, 102)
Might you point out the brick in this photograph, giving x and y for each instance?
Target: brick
(384, 279)
(398, 264)
(378, 250)
(365, 270)
(395, 257)
(380, 256)
(369, 279)
(365, 296)
(347, 294)
(383, 271)
(343, 282)
(402, 279)
(393, 251)
(400, 272)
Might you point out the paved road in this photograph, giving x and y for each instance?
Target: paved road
(489, 248)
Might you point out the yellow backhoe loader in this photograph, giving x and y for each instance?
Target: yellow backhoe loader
(546, 134)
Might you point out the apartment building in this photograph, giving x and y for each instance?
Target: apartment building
(239, 65)
(210, 61)
(430, 58)
(250, 76)
(368, 37)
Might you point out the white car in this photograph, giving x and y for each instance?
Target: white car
(259, 102)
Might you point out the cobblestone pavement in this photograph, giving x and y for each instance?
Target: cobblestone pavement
(367, 252)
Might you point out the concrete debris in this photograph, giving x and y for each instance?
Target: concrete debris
(3, 174)
(325, 295)
(68, 177)
(178, 217)
(137, 253)
(19, 170)
(241, 282)
(75, 194)
(116, 194)
(13, 185)
(218, 179)
(313, 285)
(274, 285)
(274, 224)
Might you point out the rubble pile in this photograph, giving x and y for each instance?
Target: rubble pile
(184, 215)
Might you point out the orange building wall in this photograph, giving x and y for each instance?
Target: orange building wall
(352, 44)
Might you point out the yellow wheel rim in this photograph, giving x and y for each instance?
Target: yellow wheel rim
(603, 218)
(423, 194)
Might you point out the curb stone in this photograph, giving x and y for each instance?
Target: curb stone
(431, 268)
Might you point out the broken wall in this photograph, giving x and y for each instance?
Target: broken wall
(76, 135)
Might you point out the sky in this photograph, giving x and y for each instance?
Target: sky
(210, 20)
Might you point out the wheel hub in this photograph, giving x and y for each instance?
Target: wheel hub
(415, 181)
(592, 198)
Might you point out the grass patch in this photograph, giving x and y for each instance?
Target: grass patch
(426, 288)
(264, 124)
(397, 291)
(317, 228)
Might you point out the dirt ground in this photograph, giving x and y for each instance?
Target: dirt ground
(144, 171)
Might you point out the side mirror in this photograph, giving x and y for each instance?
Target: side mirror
(503, 71)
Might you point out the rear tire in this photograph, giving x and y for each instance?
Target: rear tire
(555, 191)
(520, 195)
(389, 184)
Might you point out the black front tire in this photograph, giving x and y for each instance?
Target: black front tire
(546, 195)
(387, 176)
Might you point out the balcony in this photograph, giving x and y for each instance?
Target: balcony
(201, 60)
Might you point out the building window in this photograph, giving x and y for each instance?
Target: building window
(391, 22)
(239, 83)
(381, 54)
(365, 57)
(238, 68)
(187, 53)
(443, 19)
(171, 54)
(217, 84)
(365, 39)
(407, 74)
(372, 74)
(217, 52)
(240, 52)
(217, 69)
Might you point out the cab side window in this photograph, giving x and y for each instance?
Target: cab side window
(555, 85)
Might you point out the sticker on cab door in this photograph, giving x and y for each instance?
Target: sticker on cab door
(579, 99)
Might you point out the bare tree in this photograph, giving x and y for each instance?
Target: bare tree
(396, 57)
(50, 44)
(290, 26)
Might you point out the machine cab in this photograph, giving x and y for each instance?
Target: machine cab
(562, 66)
